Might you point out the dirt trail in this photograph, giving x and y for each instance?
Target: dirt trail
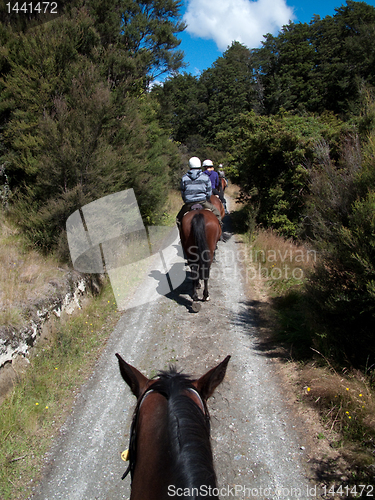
(256, 438)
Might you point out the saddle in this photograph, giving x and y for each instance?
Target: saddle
(196, 206)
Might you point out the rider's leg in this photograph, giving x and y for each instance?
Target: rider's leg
(209, 205)
(185, 209)
(179, 216)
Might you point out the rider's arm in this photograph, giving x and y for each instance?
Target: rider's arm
(208, 189)
(182, 189)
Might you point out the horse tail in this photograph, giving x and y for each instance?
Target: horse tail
(198, 227)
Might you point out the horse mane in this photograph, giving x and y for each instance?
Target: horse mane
(189, 432)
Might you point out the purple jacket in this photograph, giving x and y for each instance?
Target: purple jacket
(214, 178)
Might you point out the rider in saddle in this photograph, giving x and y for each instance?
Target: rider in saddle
(221, 188)
(196, 188)
(215, 182)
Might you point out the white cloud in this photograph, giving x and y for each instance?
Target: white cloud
(225, 21)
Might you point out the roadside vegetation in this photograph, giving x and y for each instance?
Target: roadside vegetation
(42, 397)
(341, 397)
(24, 275)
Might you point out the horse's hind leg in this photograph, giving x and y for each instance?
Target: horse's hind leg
(195, 279)
(205, 291)
(196, 305)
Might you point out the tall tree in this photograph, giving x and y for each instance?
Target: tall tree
(285, 68)
(181, 108)
(320, 66)
(139, 37)
(75, 126)
(228, 89)
(345, 46)
(202, 107)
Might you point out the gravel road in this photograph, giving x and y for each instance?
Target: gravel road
(256, 437)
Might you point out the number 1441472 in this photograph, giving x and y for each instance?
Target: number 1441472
(32, 7)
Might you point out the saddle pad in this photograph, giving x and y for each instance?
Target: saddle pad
(196, 206)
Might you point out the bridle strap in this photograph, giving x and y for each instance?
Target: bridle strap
(203, 406)
(130, 467)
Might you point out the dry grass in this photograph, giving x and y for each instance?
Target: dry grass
(174, 204)
(281, 263)
(233, 191)
(346, 400)
(43, 396)
(24, 275)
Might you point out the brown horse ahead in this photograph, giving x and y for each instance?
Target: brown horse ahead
(215, 200)
(170, 451)
(199, 232)
(223, 183)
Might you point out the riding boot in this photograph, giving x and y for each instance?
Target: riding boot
(224, 236)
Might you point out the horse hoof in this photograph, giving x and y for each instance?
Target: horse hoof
(206, 299)
(196, 306)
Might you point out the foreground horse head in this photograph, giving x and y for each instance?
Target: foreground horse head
(170, 448)
(200, 231)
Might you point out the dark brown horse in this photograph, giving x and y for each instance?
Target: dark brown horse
(215, 200)
(170, 450)
(223, 183)
(199, 232)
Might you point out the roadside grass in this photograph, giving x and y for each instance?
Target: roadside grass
(342, 399)
(283, 264)
(41, 399)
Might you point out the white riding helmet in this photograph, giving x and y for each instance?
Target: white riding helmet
(208, 163)
(194, 162)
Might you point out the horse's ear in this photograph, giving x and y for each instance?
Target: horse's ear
(208, 382)
(134, 378)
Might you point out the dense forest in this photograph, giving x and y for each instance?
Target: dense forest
(293, 122)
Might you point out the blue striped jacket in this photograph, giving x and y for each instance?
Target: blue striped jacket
(195, 186)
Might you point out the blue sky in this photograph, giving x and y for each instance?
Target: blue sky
(214, 24)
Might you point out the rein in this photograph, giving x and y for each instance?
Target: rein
(133, 434)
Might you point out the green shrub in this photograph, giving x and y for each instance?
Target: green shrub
(342, 288)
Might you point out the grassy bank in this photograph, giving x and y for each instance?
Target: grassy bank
(41, 399)
(43, 393)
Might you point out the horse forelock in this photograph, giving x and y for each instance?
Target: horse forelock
(188, 432)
